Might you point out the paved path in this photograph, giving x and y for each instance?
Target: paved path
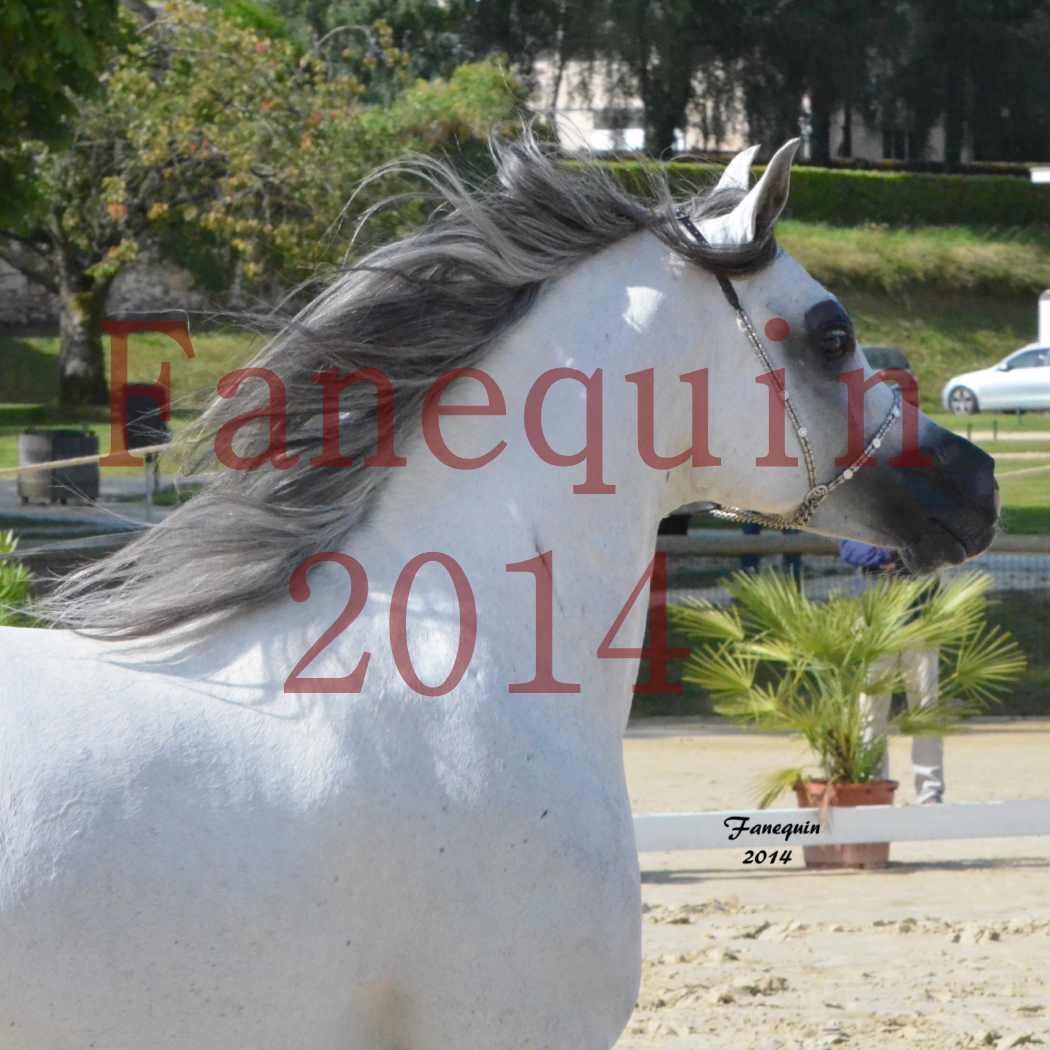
(1004, 435)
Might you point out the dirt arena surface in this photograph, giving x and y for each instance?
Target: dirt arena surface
(947, 948)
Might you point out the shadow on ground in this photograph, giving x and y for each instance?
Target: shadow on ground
(687, 876)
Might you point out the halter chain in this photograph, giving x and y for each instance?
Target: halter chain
(817, 493)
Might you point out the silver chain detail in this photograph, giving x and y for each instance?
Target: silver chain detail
(817, 493)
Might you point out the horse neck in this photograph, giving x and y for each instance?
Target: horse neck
(518, 507)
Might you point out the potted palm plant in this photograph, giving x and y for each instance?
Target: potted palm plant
(14, 584)
(777, 661)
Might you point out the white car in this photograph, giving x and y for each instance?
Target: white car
(1019, 381)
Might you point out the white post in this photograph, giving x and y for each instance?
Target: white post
(1041, 176)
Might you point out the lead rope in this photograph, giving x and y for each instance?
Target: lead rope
(817, 493)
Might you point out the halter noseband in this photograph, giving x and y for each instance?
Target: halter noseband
(817, 493)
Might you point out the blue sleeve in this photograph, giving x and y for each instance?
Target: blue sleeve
(862, 555)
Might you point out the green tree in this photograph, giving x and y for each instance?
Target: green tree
(816, 48)
(431, 36)
(234, 148)
(976, 66)
(51, 50)
(666, 50)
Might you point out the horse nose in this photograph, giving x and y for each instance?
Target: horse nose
(965, 474)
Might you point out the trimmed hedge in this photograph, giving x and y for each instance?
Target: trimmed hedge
(852, 198)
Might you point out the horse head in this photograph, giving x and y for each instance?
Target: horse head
(844, 453)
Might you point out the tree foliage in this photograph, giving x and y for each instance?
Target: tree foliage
(976, 66)
(51, 52)
(358, 35)
(210, 134)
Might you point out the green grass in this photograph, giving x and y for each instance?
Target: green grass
(943, 335)
(952, 259)
(1041, 446)
(30, 366)
(176, 497)
(11, 427)
(983, 422)
(952, 298)
(1026, 500)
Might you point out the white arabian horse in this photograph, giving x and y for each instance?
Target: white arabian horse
(197, 856)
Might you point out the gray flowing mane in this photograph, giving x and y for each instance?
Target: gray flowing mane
(414, 310)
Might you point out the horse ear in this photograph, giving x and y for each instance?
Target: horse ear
(761, 208)
(771, 191)
(737, 175)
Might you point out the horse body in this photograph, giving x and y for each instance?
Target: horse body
(229, 869)
(194, 858)
(350, 870)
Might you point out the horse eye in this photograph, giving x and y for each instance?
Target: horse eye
(836, 343)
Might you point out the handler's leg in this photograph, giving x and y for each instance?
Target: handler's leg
(875, 710)
(921, 675)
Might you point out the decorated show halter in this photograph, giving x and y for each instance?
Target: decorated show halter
(817, 493)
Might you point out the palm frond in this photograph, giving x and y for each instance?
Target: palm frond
(770, 787)
(774, 650)
(984, 664)
(721, 669)
(954, 611)
(699, 621)
(760, 707)
(767, 600)
(936, 719)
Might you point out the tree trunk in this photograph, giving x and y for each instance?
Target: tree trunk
(846, 145)
(665, 112)
(956, 74)
(659, 132)
(559, 69)
(953, 128)
(820, 135)
(81, 364)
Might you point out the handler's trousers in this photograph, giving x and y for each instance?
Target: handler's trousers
(920, 670)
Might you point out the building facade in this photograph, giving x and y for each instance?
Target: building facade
(592, 111)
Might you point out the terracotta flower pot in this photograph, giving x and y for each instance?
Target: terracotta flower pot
(818, 793)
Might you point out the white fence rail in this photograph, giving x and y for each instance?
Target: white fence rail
(657, 832)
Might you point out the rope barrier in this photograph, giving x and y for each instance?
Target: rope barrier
(77, 461)
(80, 461)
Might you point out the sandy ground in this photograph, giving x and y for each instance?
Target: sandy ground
(949, 947)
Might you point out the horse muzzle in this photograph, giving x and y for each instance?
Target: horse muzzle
(959, 501)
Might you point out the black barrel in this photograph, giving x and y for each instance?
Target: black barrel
(42, 446)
